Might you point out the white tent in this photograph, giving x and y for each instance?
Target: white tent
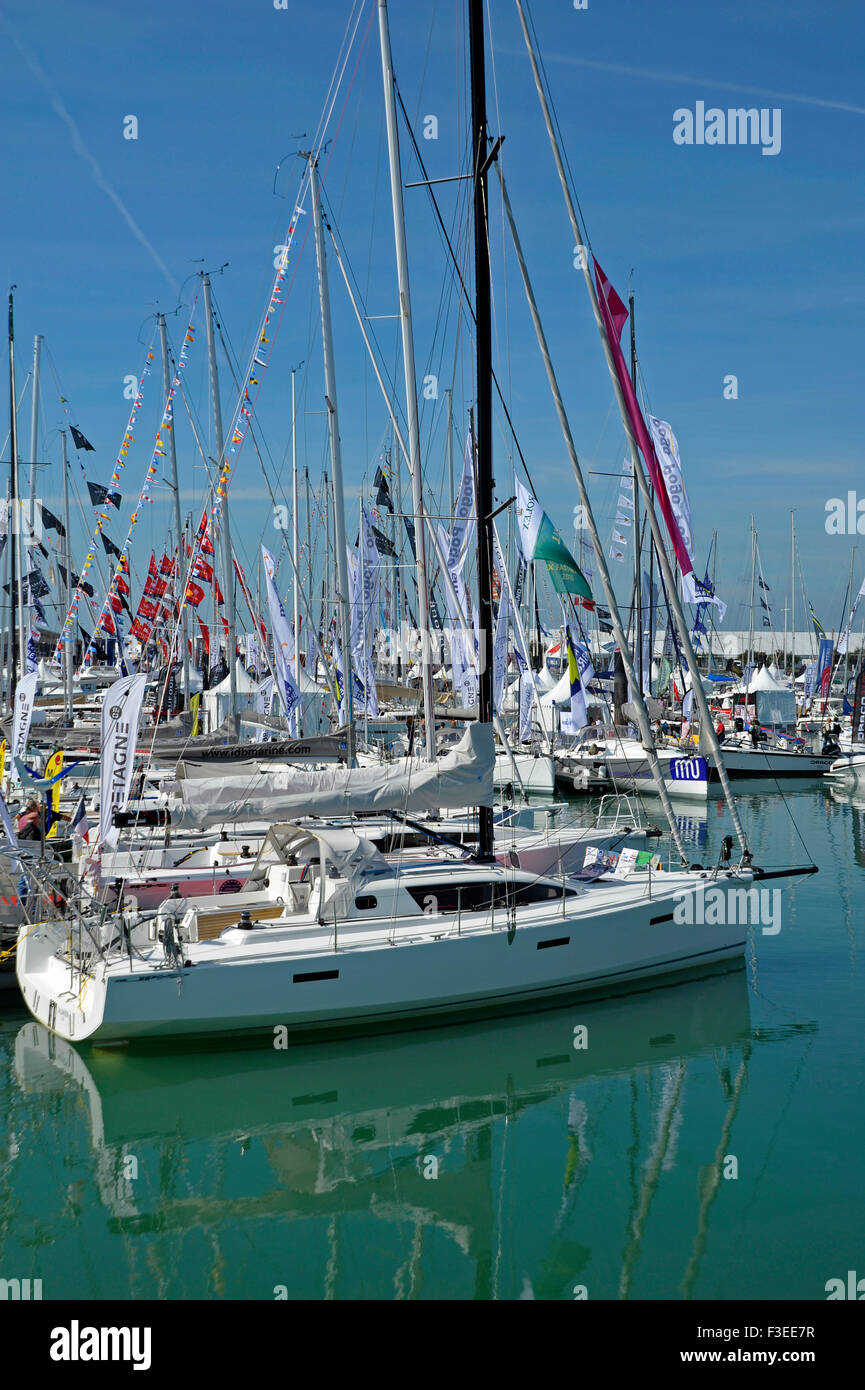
(764, 680)
(217, 701)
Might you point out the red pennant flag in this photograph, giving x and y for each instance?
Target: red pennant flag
(194, 594)
(205, 634)
(148, 609)
(122, 585)
(614, 315)
(167, 566)
(155, 587)
(204, 544)
(140, 630)
(106, 622)
(202, 570)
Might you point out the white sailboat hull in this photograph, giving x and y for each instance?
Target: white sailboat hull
(849, 769)
(534, 772)
(379, 977)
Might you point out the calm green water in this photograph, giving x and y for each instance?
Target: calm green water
(235, 1174)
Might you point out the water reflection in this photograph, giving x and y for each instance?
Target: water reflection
(421, 1138)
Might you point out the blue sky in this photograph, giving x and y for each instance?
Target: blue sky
(742, 263)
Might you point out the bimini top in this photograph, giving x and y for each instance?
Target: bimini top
(350, 854)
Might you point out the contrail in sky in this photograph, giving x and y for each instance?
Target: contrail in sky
(653, 76)
(96, 169)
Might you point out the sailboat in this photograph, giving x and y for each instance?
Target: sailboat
(366, 941)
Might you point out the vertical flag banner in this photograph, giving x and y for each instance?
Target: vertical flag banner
(667, 450)
(527, 696)
(283, 642)
(858, 727)
(500, 649)
(25, 696)
(121, 712)
(53, 768)
(824, 667)
(578, 717)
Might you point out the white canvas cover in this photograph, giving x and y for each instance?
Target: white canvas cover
(464, 777)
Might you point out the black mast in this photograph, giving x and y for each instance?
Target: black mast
(13, 512)
(484, 391)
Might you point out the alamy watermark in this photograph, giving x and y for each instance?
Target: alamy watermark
(717, 907)
(845, 517)
(712, 126)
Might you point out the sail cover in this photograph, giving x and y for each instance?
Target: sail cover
(464, 777)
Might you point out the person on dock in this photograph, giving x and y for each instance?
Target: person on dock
(29, 825)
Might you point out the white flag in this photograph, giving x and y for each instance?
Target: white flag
(667, 451)
(464, 521)
(845, 635)
(25, 698)
(264, 703)
(527, 697)
(500, 649)
(283, 642)
(121, 711)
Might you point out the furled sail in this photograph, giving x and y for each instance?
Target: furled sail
(464, 777)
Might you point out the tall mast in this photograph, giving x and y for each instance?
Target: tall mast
(484, 392)
(793, 598)
(295, 541)
(34, 424)
(172, 459)
(224, 523)
(712, 606)
(16, 588)
(638, 587)
(67, 583)
(450, 395)
(343, 624)
(750, 658)
(423, 585)
(401, 646)
(327, 600)
(846, 628)
(311, 673)
(707, 726)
